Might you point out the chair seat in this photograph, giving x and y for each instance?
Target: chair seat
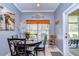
(28, 51)
(39, 48)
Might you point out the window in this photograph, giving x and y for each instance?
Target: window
(38, 29)
(73, 27)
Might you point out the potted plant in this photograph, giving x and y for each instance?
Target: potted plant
(27, 35)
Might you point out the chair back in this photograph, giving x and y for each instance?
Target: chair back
(44, 41)
(14, 36)
(38, 44)
(13, 43)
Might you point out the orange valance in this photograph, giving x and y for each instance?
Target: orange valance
(37, 21)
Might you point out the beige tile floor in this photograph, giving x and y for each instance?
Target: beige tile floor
(48, 50)
(74, 51)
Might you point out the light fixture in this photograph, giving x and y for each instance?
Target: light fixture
(38, 5)
(57, 22)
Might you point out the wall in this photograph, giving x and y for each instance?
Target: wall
(4, 49)
(47, 15)
(59, 28)
(24, 16)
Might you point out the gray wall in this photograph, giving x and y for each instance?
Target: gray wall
(4, 49)
(59, 28)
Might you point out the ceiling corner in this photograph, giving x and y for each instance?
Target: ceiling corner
(17, 7)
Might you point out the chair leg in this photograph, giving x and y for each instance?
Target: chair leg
(36, 53)
(44, 52)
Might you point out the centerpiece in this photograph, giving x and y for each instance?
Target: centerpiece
(27, 35)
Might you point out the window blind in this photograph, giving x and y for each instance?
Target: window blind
(37, 22)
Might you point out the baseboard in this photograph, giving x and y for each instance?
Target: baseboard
(8, 54)
(70, 54)
(60, 51)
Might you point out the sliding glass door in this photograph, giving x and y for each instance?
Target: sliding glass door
(37, 30)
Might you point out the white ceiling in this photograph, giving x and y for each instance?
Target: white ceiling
(32, 7)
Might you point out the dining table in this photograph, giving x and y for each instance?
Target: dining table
(29, 45)
(32, 43)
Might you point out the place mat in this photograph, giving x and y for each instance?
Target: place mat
(56, 54)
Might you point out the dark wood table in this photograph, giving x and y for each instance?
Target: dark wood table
(30, 44)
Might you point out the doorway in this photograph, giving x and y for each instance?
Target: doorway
(70, 29)
(73, 22)
(37, 31)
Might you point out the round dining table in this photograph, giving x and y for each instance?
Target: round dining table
(32, 42)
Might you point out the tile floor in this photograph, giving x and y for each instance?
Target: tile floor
(48, 50)
(74, 51)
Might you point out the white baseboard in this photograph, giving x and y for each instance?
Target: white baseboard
(61, 52)
(70, 54)
(8, 54)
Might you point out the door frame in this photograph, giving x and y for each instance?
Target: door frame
(65, 14)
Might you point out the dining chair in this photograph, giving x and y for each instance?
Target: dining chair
(41, 46)
(18, 47)
(14, 36)
(13, 45)
(22, 51)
